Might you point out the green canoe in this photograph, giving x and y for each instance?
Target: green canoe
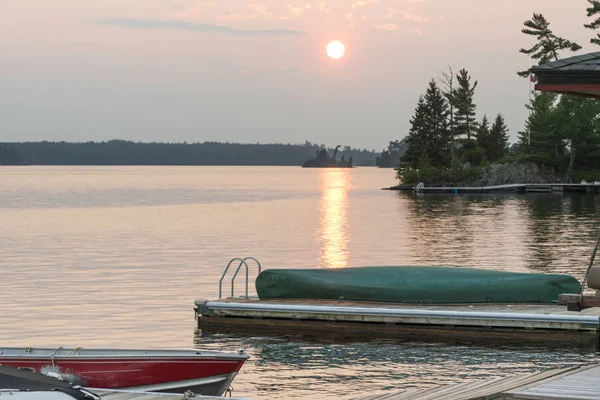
(414, 285)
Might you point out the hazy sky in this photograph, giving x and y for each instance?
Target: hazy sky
(256, 70)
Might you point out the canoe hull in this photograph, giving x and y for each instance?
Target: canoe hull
(406, 284)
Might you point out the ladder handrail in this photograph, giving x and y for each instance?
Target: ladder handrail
(238, 270)
(256, 261)
(242, 262)
(225, 272)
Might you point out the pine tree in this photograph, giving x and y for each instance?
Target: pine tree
(448, 82)
(437, 127)
(390, 157)
(428, 140)
(465, 106)
(497, 139)
(541, 142)
(417, 138)
(483, 133)
(592, 11)
(548, 44)
(577, 120)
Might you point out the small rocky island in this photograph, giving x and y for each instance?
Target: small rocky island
(323, 160)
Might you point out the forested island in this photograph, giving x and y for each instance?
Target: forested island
(323, 160)
(447, 145)
(122, 152)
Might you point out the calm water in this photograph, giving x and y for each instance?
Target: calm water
(115, 256)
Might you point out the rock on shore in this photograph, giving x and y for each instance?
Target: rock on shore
(501, 174)
(515, 172)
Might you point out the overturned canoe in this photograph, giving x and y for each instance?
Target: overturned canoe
(414, 285)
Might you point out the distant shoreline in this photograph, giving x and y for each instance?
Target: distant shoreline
(121, 152)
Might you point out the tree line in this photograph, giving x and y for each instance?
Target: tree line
(447, 143)
(561, 131)
(122, 152)
(9, 155)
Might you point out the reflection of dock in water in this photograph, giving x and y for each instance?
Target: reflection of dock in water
(512, 188)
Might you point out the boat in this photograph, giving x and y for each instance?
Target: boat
(414, 284)
(207, 373)
(24, 384)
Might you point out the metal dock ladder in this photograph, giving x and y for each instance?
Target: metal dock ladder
(245, 264)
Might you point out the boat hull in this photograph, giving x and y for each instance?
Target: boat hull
(407, 284)
(177, 373)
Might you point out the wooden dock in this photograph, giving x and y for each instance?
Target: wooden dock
(593, 188)
(549, 325)
(576, 383)
(109, 394)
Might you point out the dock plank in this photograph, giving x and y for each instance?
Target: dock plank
(550, 309)
(581, 384)
(487, 389)
(516, 187)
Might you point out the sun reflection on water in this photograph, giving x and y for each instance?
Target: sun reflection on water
(334, 185)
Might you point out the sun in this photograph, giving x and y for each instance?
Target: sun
(336, 49)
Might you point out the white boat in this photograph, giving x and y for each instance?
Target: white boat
(24, 384)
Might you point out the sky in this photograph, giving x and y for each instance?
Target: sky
(256, 70)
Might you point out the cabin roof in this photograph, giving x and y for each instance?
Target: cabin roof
(581, 63)
(578, 75)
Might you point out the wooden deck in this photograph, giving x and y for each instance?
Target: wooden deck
(481, 323)
(107, 394)
(516, 187)
(579, 383)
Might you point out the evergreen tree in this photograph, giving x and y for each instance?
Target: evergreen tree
(429, 139)
(463, 97)
(437, 126)
(592, 11)
(541, 142)
(417, 137)
(448, 82)
(497, 139)
(390, 157)
(577, 120)
(548, 44)
(483, 133)
(547, 125)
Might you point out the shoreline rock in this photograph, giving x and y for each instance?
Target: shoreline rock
(500, 174)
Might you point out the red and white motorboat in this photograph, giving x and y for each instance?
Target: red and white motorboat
(173, 371)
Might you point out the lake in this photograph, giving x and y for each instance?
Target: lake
(115, 257)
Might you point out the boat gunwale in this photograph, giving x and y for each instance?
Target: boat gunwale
(112, 354)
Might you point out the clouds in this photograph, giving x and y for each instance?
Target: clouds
(194, 27)
(306, 14)
(362, 3)
(257, 11)
(392, 12)
(394, 27)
